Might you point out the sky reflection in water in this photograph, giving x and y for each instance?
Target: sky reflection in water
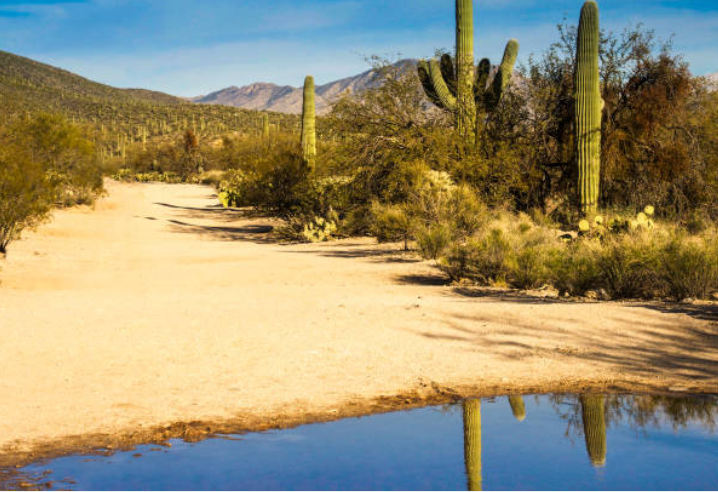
(563, 442)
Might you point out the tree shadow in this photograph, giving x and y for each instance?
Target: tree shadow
(214, 212)
(703, 311)
(680, 347)
(387, 254)
(258, 233)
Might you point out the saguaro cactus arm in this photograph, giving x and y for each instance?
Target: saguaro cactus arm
(503, 76)
(442, 90)
(425, 78)
(448, 72)
(482, 76)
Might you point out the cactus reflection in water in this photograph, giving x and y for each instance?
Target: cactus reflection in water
(594, 427)
(517, 407)
(472, 443)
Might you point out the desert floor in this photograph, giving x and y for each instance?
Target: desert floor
(159, 314)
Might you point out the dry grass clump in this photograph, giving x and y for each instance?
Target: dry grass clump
(642, 264)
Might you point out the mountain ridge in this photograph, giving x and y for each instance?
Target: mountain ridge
(267, 96)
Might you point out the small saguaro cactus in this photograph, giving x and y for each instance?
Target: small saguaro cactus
(589, 107)
(265, 126)
(594, 427)
(472, 443)
(454, 85)
(309, 134)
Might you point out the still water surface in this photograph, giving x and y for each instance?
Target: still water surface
(563, 442)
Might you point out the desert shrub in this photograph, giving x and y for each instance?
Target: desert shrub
(629, 266)
(433, 240)
(482, 258)
(689, 267)
(391, 223)
(26, 194)
(66, 152)
(574, 269)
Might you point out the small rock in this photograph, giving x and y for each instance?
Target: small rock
(688, 300)
(592, 294)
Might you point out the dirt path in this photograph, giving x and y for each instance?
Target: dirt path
(158, 307)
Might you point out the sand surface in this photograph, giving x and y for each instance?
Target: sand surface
(158, 307)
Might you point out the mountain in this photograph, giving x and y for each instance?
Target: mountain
(286, 99)
(26, 76)
(121, 117)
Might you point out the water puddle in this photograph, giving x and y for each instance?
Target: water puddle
(562, 442)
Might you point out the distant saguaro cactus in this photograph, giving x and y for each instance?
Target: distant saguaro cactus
(265, 126)
(453, 85)
(589, 107)
(472, 443)
(309, 133)
(517, 407)
(594, 427)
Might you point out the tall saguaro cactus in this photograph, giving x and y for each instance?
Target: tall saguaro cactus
(594, 427)
(589, 107)
(465, 76)
(454, 84)
(309, 134)
(472, 443)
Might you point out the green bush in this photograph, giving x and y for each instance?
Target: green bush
(629, 266)
(391, 223)
(26, 195)
(690, 267)
(66, 152)
(433, 240)
(574, 269)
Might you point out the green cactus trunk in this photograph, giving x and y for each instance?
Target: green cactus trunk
(465, 75)
(265, 126)
(472, 444)
(594, 427)
(309, 134)
(454, 85)
(517, 407)
(589, 107)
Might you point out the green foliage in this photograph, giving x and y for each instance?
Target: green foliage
(67, 153)
(26, 193)
(392, 223)
(690, 267)
(44, 162)
(433, 240)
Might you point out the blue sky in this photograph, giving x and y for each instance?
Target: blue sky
(188, 48)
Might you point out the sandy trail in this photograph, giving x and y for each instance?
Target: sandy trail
(158, 307)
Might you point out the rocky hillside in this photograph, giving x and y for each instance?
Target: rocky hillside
(287, 99)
